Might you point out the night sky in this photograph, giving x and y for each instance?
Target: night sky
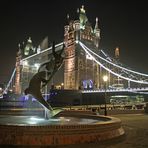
(122, 24)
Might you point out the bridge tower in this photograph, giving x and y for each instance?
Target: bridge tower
(24, 68)
(118, 82)
(80, 71)
(18, 72)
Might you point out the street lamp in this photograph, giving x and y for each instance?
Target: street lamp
(62, 85)
(105, 79)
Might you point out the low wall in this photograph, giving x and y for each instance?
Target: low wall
(115, 112)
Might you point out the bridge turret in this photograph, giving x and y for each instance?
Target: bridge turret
(69, 67)
(118, 82)
(82, 17)
(77, 27)
(18, 71)
(66, 30)
(44, 44)
(117, 53)
(97, 34)
(28, 48)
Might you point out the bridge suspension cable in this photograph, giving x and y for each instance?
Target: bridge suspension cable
(125, 73)
(29, 57)
(57, 45)
(109, 61)
(10, 81)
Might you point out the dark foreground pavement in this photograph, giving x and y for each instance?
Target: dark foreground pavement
(136, 134)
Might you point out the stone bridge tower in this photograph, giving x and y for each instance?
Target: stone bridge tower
(18, 72)
(80, 71)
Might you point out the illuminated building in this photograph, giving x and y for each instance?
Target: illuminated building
(28, 61)
(18, 72)
(80, 72)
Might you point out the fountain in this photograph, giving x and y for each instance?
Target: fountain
(58, 127)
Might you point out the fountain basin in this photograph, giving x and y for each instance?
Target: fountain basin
(64, 129)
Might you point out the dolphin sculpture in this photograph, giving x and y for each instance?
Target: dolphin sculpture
(35, 88)
(41, 78)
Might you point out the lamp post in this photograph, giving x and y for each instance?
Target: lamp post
(105, 79)
(62, 85)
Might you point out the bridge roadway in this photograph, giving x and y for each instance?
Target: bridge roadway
(113, 92)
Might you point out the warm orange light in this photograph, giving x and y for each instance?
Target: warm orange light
(105, 78)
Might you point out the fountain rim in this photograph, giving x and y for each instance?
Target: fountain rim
(109, 120)
(62, 134)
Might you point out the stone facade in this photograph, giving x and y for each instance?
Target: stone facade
(80, 71)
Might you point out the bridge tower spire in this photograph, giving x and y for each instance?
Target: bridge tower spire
(118, 82)
(97, 33)
(117, 53)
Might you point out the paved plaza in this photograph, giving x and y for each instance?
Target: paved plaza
(136, 129)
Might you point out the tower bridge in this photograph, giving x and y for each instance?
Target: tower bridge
(84, 64)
